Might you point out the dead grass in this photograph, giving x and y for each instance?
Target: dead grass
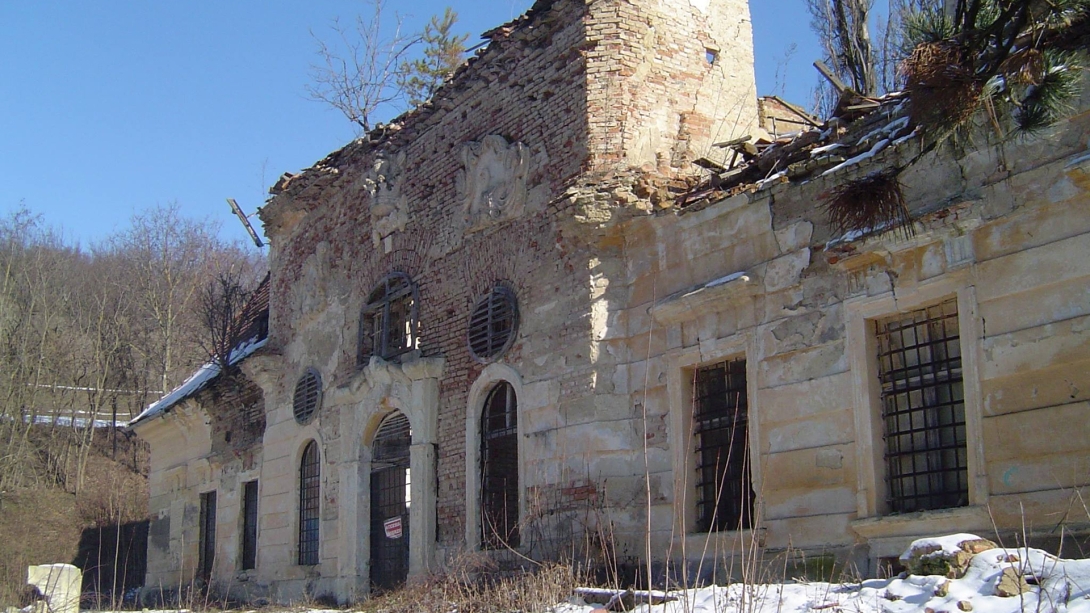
(468, 590)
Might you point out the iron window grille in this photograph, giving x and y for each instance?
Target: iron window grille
(309, 498)
(500, 469)
(388, 323)
(249, 525)
(308, 396)
(923, 409)
(207, 535)
(720, 423)
(390, 501)
(493, 324)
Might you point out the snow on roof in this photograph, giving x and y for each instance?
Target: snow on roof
(198, 380)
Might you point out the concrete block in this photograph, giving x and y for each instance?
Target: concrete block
(60, 584)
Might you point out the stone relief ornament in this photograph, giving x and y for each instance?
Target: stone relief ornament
(388, 206)
(493, 184)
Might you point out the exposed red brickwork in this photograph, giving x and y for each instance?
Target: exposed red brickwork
(237, 408)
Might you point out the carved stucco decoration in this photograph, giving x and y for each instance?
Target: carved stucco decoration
(387, 205)
(492, 186)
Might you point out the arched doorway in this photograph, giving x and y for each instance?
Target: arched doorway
(390, 503)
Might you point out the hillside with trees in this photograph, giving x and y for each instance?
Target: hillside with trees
(89, 335)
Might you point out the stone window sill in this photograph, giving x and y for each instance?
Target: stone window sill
(891, 535)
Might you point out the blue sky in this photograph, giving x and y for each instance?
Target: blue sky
(108, 108)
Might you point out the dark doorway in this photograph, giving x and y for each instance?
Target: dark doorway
(390, 503)
(207, 536)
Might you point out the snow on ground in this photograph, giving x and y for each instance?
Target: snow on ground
(1055, 585)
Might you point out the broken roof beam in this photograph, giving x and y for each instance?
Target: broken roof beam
(797, 110)
(831, 76)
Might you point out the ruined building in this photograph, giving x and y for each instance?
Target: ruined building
(522, 317)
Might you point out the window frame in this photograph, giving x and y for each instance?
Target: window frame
(874, 517)
(921, 390)
(378, 306)
(509, 433)
(490, 377)
(250, 513)
(700, 418)
(308, 539)
(680, 387)
(206, 539)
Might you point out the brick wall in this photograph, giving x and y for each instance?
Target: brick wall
(590, 89)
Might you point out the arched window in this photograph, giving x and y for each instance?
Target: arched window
(388, 324)
(500, 469)
(309, 496)
(493, 324)
(390, 501)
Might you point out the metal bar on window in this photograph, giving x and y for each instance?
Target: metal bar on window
(923, 409)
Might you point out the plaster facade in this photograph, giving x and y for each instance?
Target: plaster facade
(550, 164)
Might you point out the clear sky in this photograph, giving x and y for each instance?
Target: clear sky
(107, 108)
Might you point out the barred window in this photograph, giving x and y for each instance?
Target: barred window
(500, 469)
(308, 396)
(309, 496)
(388, 324)
(720, 425)
(249, 525)
(493, 323)
(923, 409)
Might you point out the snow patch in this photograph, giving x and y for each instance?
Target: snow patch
(1054, 585)
(866, 155)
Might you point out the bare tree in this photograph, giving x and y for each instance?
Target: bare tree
(842, 26)
(224, 309)
(359, 73)
(367, 69)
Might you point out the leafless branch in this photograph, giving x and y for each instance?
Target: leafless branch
(360, 73)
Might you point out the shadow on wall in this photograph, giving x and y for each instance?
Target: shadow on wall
(114, 560)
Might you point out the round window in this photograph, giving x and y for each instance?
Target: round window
(308, 396)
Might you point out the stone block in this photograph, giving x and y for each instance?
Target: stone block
(803, 365)
(1032, 389)
(800, 470)
(794, 236)
(802, 331)
(1043, 305)
(59, 584)
(1034, 267)
(789, 503)
(786, 271)
(1036, 348)
(832, 428)
(1017, 475)
(1039, 433)
(808, 398)
(928, 557)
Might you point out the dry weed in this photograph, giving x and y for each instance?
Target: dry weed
(530, 590)
(944, 89)
(868, 204)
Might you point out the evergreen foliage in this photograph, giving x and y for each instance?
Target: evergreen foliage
(443, 53)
